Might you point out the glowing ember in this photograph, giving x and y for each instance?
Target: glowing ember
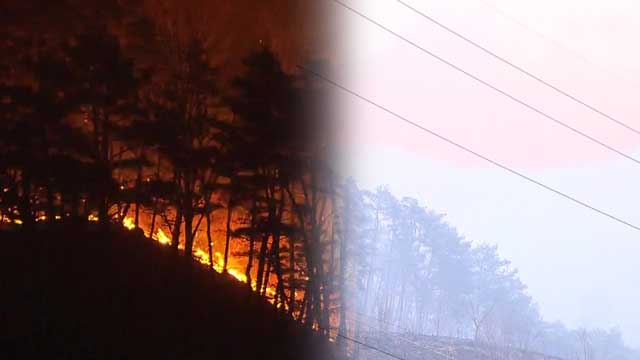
(44, 217)
(128, 223)
(9, 221)
(162, 238)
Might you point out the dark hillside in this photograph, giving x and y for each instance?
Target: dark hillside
(77, 292)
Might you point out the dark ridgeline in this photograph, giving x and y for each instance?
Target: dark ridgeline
(77, 292)
(126, 115)
(416, 288)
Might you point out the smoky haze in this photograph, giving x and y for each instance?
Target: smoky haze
(574, 266)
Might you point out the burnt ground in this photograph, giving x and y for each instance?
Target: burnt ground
(75, 292)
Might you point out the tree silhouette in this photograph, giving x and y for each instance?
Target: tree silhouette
(112, 113)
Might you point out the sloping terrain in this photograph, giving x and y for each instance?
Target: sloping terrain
(412, 347)
(74, 291)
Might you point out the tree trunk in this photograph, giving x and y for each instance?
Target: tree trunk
(103, 209)
(265, 284)
(26, 213)
(175, 235)
(209, 240)
(292, 276)
(261, 261)
(136, 220)
(124, 213)
(51, 206)
(228, 233)
(275, 252)
(154, 213)
(347, 236)
(103, 192)
(264, 254)
(188, 227)
(252, 237)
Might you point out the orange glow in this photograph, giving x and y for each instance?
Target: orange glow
(9, 221)
(202, 256)
(161, 237)
(40, 218)
(128, 223)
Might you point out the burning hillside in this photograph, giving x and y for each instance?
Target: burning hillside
(127, 115)
(233, 267)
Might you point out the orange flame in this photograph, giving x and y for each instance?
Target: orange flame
(128, 223)
(161, 237)
(203, 257)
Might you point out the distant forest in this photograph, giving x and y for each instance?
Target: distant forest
(126, 115)
(410, 272)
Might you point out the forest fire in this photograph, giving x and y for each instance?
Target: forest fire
(201, 256)
(161, 237)
(206, 158)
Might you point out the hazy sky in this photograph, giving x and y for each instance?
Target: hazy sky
(581, 268)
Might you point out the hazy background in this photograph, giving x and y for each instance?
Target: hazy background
(579, 266)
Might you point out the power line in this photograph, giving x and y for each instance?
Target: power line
(556, 43)
(375, 348)
(520, 69)
(369, 346)
(469, 150)
(424, 347)
(496, 89)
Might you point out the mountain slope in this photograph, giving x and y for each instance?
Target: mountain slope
(75, 292)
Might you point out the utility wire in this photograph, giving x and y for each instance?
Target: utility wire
(518, 68)
(554, 42)
(424, 347)
(496, 89)
(369, 346)
(469, 150)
